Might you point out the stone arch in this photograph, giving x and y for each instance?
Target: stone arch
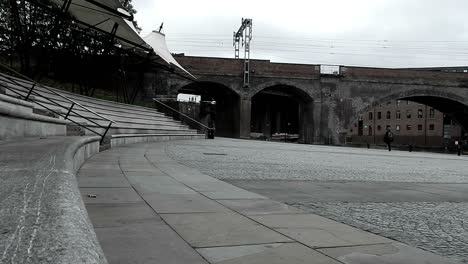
(224, 114)
(282, 107)
(256, 89)
(413, 93)
(446, 101)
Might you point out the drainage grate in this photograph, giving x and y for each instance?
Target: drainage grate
(218, 154)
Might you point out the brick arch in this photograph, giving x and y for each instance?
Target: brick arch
(412, 93)
(257, 89)
(408, 95)
(209, 81)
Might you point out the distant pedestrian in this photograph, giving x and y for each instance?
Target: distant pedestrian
(388, 138)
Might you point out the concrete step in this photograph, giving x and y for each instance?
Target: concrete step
(88, 101)
(109, 113)
(45, 112)
(76, 130)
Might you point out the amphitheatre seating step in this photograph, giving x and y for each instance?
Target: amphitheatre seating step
(85, 99)
(116, 115)
(128, 118)
(18, 120)
(132, 111)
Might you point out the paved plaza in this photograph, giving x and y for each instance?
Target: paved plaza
(420, 199)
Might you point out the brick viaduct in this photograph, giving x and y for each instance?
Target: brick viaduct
(328, 105)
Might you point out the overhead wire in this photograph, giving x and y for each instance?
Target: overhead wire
(448, 50)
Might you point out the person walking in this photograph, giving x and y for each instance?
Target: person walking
(388, 138)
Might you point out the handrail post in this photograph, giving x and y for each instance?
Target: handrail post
(210, 133)
(105, 133)
(30, 91)
(69, 110)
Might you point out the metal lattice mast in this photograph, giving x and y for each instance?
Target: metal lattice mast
(244, 32)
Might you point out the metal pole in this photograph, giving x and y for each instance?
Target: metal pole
(105, 133)
(69, 110)
(30, 91)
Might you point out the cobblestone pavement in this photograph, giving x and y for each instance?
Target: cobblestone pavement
(268, 160)
(417, 198)
(438, 227)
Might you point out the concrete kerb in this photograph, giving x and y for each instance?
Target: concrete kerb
(43, 215)
(124, 139)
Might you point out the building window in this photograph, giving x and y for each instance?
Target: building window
(370, 130)
(419, 127)
(431, 113)
(398, 102)
(388, 114)
(408, 127)
(431, 127)
(398, 114)
(379, 128)
(408, 114)
(420, 113)
(397, 127)
(407, 102)
(379, 115)
(371, 115)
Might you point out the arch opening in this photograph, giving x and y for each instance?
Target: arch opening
(282, 112)
(417, 120)
(219, 107)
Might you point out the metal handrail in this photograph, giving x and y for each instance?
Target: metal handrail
(184, 115)
(17, 81)
(50, 90)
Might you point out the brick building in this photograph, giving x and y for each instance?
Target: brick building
(411, 123)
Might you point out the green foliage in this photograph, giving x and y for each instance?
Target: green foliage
(127, 4)
(34, 28)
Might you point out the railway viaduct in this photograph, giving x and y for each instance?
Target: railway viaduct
(298, 98)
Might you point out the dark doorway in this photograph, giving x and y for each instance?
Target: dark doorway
(281, 110)
(224, 113)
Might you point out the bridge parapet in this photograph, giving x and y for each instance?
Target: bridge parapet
(259, 68)
(405, 76)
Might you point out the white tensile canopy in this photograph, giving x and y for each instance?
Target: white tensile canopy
(110, 17)
(157, 41)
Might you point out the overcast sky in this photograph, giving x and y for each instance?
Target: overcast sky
(381, 33)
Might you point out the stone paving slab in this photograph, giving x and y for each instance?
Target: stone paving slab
(112, 215)
(203, 184)
(316, 231)
(106, 160)
(260, 207)
(286, 253)
(221, 229)
(99, 173)
(232, 194)
(182, 203)
(138, 169)
(321, 237)
(110, 195)
(197, 181)
(151, 180)
(146, 243)
(102, 165)
(112, 182)
(176, 214)
(154, 173)
(395, 253)
(150, 187)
